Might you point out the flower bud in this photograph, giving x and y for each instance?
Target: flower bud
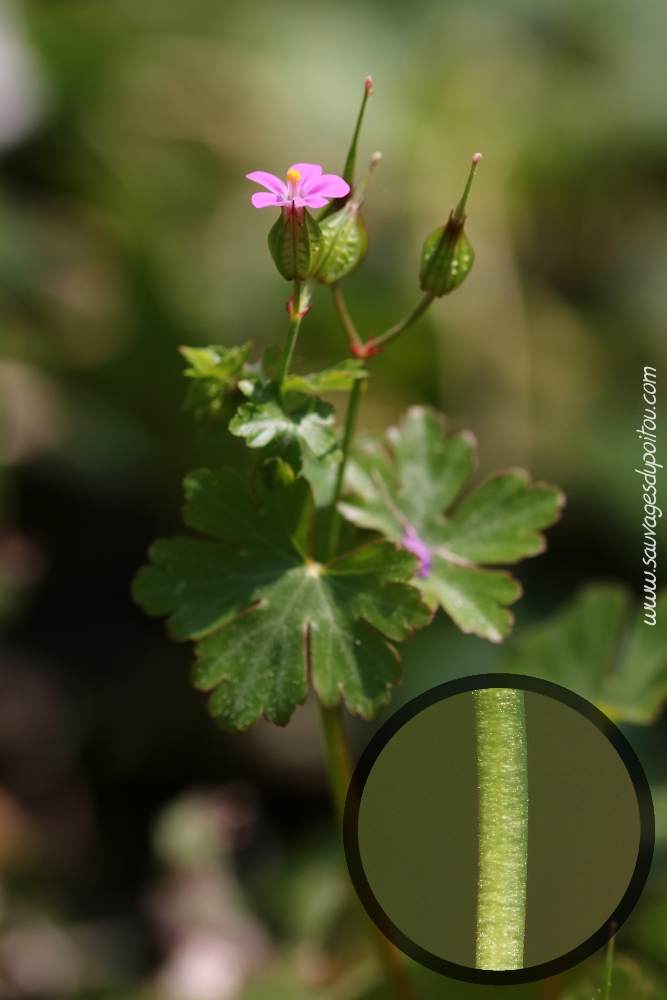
(295, 243)
(447, 255)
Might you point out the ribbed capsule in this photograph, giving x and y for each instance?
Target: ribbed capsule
(446, 259)
(295, 244)
(344, 245)
(447, 255)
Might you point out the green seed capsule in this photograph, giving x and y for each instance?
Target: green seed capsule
(295, 244)
(344, 244)
(447, 255)
(446, 259)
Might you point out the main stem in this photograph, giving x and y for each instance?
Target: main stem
(338, 758)
(500, 720)
(294, 324)
(339, 768)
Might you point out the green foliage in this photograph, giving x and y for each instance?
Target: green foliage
(295, 245)
(630, 980)
(409, 487)
(338, 378)
(344, 244)
(215, 372)
(265, 614)
(447, 258)
(650, 932)
(596, 647)
(264, 419)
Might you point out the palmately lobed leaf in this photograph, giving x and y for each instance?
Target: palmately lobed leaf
(500, 521)
(599, 648)
(264, 613)
(410, 490)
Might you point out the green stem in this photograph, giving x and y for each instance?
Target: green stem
(609, 968)
(348, 434)
(339, 761)
(383, 339)
(344, 316)
(339, 768)
(411, 318)
(500, 720)
(294, 324)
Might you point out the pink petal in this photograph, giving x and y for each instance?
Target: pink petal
(269, 181)
(326, 186)
(309, 172)
(263, 199)
(314, 201)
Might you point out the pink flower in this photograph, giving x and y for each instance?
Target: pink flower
(305, 186)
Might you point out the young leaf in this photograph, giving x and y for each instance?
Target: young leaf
(264, 419)
(338, 378)
(264, 613)
(215, 372)
(406, 491)
(593, 648)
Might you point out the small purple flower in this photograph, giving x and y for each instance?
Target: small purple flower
(413, 543)
(305, 187)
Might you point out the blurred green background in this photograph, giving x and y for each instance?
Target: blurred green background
(126, 229)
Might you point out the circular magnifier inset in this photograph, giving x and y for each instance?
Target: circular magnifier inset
(497, 827)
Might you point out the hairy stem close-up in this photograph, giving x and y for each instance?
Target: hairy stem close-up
(503, 827)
